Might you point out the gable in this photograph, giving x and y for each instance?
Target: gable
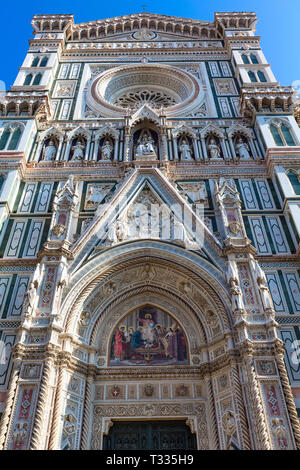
(145, 206)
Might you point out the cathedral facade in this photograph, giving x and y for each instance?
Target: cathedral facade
(149, 239)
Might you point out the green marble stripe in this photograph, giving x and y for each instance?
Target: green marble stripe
(9, 295)
(257, 195)
(18, 198)
(27, 226)
(269, 236)
(287, 234)
(285, 292)
(6, 236)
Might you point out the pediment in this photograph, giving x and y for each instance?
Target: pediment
(126, 218)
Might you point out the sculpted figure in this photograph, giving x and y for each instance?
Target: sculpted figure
(106, 150)
(185, 151)
(242, 149)
(214, 150)
(49, 152)
(145, 146)
(29, 295)
(78, 151)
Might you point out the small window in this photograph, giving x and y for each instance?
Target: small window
(252, 77)
(245, 59)
(35, 62)
(254, 59)
(14, 140)
(44, 62)
(261, 76)
(28, 79)
(37, 79)
(4, 139)
(287, 135)
(276, 136)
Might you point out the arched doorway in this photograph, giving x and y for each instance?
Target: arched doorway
(199, 388)
(150, 435)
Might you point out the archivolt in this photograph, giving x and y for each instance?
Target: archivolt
(86, 286)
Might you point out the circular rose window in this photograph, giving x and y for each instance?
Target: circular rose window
(118, 89)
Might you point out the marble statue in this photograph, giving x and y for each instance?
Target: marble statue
(78, 151)
(106, 150)
(185, 151)
(49, 151)
(214, 150)
(242, 149)
(145, 146)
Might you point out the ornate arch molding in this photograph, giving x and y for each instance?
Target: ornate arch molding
(204, 292)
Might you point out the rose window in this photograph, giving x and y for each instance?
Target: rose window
(118, 89)
(154, 98)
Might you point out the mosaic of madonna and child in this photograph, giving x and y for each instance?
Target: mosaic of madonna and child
(148, 336)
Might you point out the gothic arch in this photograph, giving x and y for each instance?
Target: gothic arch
(199, 286)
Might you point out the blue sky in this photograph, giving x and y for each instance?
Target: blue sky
(278, 25)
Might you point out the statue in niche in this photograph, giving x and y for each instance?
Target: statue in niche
(106, 150)
(214, 149)
(185, 151)
(242, 149)
(78, 149)
(49, 151)
(145, 146)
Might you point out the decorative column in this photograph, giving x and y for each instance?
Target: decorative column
(126, 146)
(195, 147)
(289, 398)
(226, 157)
(67, 151)
(58, 407)
(87, 150)
(116, 150)
(96, 147)
(41, 404)
(233, 152)
(164, 155)
(57, 156)
(87, 412)
(38, 151)
(175, 148)
(257, 409)
(203, 145)
(253, 149)
(238, 396)
(212, 414)
(11, 395)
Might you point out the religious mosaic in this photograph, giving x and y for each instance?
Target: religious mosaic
(146, 337)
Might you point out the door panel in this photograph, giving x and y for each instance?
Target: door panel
(150, 435)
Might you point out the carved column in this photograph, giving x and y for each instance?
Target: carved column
(87, 150)
(116, 150)
(257, 409)
(58, 404)
(126, 147)
(212, 414)
(11, 394)
(41, 404)
(195, 147)
(241, 408)
(96, 146)
(164, 156)
(289, 399)
(86, 413)
(175, 148)
(59, 149)
(232, 148)
(203, 145)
